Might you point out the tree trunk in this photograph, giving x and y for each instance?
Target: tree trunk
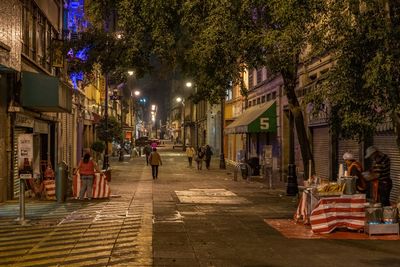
(289, 78)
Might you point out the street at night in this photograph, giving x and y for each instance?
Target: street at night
(200, 133)
(220, 222)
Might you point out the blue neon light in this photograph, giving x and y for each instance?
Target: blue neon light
(76, 23)
(75, 78)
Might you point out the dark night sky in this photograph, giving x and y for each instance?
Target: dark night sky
(157, 91)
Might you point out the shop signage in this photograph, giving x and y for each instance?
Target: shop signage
(267, 155)
(319, 118)
(41, 127)
(24, 121)
(25, 155)
(264, 123)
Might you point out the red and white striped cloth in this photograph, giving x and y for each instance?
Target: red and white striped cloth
(50, 189)
(101, 189)
(338, 212)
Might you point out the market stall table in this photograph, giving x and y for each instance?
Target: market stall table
(345, 211)
(101, 188)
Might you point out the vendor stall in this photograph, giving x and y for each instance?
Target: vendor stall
(345, 211)
(101, 188)
(329, 206)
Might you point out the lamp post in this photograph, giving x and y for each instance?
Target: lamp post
(196, 136)
(136, 94)
(153, 119)
(105, 161)
(182, 101)
(222, 164)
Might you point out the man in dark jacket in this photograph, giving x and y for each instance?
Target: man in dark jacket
(147, 150)
(208, 155)
(380, 171)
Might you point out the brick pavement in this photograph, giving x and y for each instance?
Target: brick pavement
(185, 218)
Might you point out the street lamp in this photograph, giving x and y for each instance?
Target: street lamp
(137, 93)
(153, 119)
(181, 100)
(131, 72)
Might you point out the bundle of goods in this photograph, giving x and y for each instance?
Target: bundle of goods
(332, 189)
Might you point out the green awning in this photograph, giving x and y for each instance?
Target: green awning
(45, 93)
(257, 119)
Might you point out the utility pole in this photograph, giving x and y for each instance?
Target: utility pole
(222, 164)
(105, 161)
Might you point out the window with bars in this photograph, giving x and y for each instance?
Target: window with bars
(37, 33)
(259, 76)
(251, 80)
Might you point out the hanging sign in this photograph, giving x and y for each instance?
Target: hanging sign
(24, 121)
(25, 155)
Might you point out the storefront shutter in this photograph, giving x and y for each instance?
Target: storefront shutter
(387, 144)
(321, 151)
(70, 134)
(348, 145)
(16, 180)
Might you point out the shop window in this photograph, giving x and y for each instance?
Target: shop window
(254, 102)
(273, 95)
(268, 97)
(228, 94)
(259, 76)
(258, 100)
(41, 41)
(251, 79)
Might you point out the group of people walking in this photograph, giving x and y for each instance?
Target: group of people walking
(375, 183)
(87, 167)
(203, 153)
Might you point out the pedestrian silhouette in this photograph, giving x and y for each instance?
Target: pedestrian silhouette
(155, 161)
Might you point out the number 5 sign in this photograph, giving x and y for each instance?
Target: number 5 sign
(264, 123)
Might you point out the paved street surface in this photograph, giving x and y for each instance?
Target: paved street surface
(185, 218)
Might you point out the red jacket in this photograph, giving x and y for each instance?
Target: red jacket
(86, 168)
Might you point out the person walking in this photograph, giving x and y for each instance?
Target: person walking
(147, 150)
(86, 169)
(155, 161)
(199, 158)
(190, 154)
(380, 173)
(208, 153)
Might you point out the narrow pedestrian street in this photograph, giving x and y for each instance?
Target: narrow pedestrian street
(186, 217)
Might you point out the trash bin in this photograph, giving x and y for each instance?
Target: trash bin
(255, 166)
(61, 181)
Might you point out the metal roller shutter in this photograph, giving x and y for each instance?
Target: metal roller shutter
(348, 145)
(321, 151)
(16, 180)
(387, 144)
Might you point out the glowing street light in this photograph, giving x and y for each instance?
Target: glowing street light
(131, 72)
(180, 100)
(137, 93)
(189, 84)
(153, 107)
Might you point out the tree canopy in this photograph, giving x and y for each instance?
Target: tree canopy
(362, 89)
(212, 42)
